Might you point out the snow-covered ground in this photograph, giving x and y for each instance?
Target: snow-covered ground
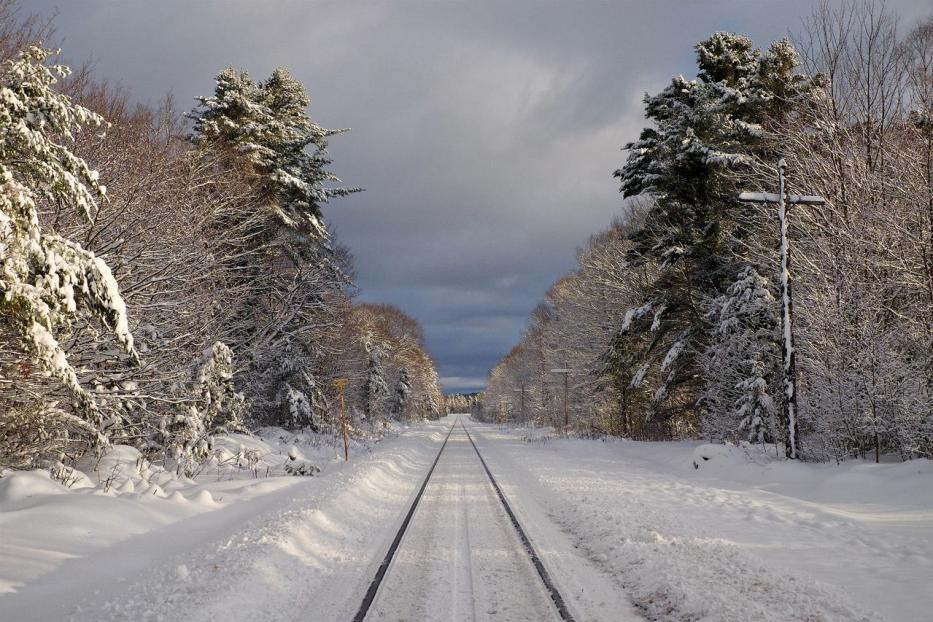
(46, 520)
(739, 538)
(742, 537)
(263, 547)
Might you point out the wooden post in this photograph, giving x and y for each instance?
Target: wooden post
(341, 384)
(566, 374)
(566, 416)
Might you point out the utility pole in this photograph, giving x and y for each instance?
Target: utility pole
(522, 391)
(341, 384)
(566, 374)
(788, 353)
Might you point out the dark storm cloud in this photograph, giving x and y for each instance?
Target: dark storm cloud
(484, 132)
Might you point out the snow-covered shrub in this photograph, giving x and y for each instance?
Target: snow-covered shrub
(217, 408)
(716, 459)
(65, 475)
(32, 431)
(297, 465)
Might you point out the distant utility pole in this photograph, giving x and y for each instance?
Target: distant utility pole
(788, 353)
(566, 374)
(522, 391)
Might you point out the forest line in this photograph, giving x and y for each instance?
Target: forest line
(168, 276)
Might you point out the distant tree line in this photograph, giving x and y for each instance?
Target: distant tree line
(464, 403)
(671, 321)
(188, 288)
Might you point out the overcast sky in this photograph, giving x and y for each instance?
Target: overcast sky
(485, 133)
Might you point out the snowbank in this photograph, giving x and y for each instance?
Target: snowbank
(49, 516)
(294, 547)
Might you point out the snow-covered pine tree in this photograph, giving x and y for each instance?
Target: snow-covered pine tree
(741, 361)
(317, 400)
(433, 408)
(298, 395)
(376, 389)
(298, 408)
(402, 395)
(267, 125)
(186, 441)
(46, 281)
(293, 283)
(219, 405)
(217, 408)
(433, 390)
(704, 132)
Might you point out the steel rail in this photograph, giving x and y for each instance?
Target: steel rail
(373, 589)
(387, 560)
(526, 543)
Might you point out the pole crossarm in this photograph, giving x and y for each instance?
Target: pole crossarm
(770, 197)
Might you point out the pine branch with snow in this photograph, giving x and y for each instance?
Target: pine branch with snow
(47, 281)
(266, 125)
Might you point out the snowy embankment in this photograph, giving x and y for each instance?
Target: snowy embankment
(48, 516)
(128, 540)
(742, 537)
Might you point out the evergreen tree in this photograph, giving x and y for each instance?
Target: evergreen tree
(267, 126)
(292, 275)
(402, 394)
(433, 391)
(376, 389)
(220, 406)
(741, 361)
(217, 408)
(298, 413)
(705, 132)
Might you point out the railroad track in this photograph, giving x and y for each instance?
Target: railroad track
(384, 574)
